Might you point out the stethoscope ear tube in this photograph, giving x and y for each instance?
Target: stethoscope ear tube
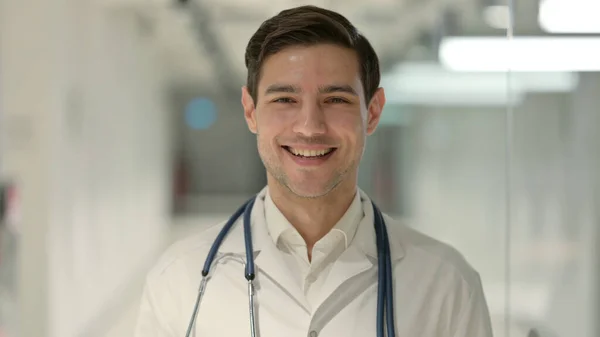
(251, 308)
(196, 306)
(248, 240)
(249, 270)
(389, 284)
(381, 271)
(385, 292)
(219, 239)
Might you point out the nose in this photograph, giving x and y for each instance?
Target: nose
(310, 120)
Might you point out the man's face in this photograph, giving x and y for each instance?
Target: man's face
(311, 118)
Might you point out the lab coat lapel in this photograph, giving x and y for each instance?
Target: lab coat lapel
(358, 258)
(353, 262)
(272, 265)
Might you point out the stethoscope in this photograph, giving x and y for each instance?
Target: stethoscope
(385, 298)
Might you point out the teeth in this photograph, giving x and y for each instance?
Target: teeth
(309, 153)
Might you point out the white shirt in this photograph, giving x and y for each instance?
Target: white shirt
(436, 292)
(311, 275)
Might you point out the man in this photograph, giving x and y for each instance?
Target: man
(312, 97)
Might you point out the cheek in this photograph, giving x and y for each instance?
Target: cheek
(268, 131)
(273, 120)
(347, 125)
(272, 125)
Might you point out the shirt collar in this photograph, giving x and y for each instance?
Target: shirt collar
(277, 224)
(364, 238)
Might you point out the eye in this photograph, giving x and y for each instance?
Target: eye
(284, 100)
(337, 100)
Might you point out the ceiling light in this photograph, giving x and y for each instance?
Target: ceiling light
(570, 16)
(430, 84)
(520, 54)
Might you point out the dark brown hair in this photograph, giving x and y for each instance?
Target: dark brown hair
(306, 26)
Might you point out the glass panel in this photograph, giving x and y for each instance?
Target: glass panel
(555, 146)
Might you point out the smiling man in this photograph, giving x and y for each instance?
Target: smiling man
(312, 97)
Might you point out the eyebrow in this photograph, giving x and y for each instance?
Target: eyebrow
(292, 89)
(338, 88)
(279, 88)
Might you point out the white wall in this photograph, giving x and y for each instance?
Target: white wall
(83, 89)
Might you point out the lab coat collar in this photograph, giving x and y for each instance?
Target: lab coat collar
(364, 239)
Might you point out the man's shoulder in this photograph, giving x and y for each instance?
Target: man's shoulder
(428, 252)
(188, 250)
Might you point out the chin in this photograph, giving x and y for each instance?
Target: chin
(310, 190)
(309, 194)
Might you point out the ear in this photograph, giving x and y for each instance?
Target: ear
(249, 110)
(374, 110)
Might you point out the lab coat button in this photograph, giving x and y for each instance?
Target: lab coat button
(313, 334)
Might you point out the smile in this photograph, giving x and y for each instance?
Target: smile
(305, 153)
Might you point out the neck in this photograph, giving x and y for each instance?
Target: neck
(313, 218)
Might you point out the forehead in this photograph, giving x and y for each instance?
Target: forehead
(311, 67)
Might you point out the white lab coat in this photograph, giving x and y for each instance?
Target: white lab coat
(436, 293)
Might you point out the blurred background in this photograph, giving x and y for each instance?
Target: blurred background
(121, 131)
